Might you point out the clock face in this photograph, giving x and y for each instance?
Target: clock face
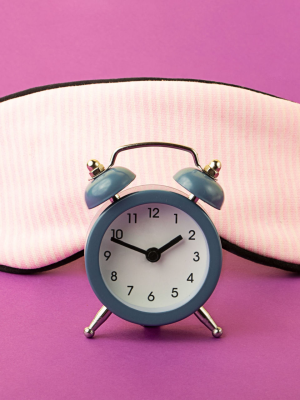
(154, 257)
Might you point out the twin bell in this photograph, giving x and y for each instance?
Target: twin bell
(106, 183)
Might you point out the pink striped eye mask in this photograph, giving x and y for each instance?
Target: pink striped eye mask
(48, 134)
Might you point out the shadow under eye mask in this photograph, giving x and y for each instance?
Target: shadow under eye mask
(47, 135)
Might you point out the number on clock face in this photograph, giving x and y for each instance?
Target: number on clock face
(154, 257)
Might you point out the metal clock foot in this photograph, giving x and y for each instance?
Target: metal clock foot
(99, 319)
(207, 320)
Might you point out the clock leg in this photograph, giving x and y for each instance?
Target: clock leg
(207, 320)
(99, 319)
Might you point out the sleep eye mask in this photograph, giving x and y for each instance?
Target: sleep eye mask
(48, 134)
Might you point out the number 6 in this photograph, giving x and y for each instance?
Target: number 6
(151, 297)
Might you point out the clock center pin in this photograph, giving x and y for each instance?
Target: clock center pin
(153, 254)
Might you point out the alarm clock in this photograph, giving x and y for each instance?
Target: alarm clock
(152, 254)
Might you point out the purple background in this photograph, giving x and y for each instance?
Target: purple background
(250, 43)
(44, 354)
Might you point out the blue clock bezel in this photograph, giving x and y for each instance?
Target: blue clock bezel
(92, 257)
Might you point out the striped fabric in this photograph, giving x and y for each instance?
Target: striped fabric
(47, 137)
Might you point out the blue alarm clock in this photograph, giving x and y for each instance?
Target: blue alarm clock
(152, 255)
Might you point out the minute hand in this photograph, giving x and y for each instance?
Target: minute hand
(170, 244)
(130, 246)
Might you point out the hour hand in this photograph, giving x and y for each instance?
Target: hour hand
(170, 244)
(129, 246)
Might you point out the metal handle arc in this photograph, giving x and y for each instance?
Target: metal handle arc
(155, 144)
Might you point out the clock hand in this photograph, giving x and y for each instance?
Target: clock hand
(170, 244)
(153, 254)
(128, 245)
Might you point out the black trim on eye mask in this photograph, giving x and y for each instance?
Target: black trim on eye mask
(232, 248)
(92, 82)
(21, 271)
(239, 251)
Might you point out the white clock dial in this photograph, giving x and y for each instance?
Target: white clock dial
(154, 282)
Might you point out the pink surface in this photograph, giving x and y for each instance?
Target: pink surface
(44, 354)
(52, 134)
